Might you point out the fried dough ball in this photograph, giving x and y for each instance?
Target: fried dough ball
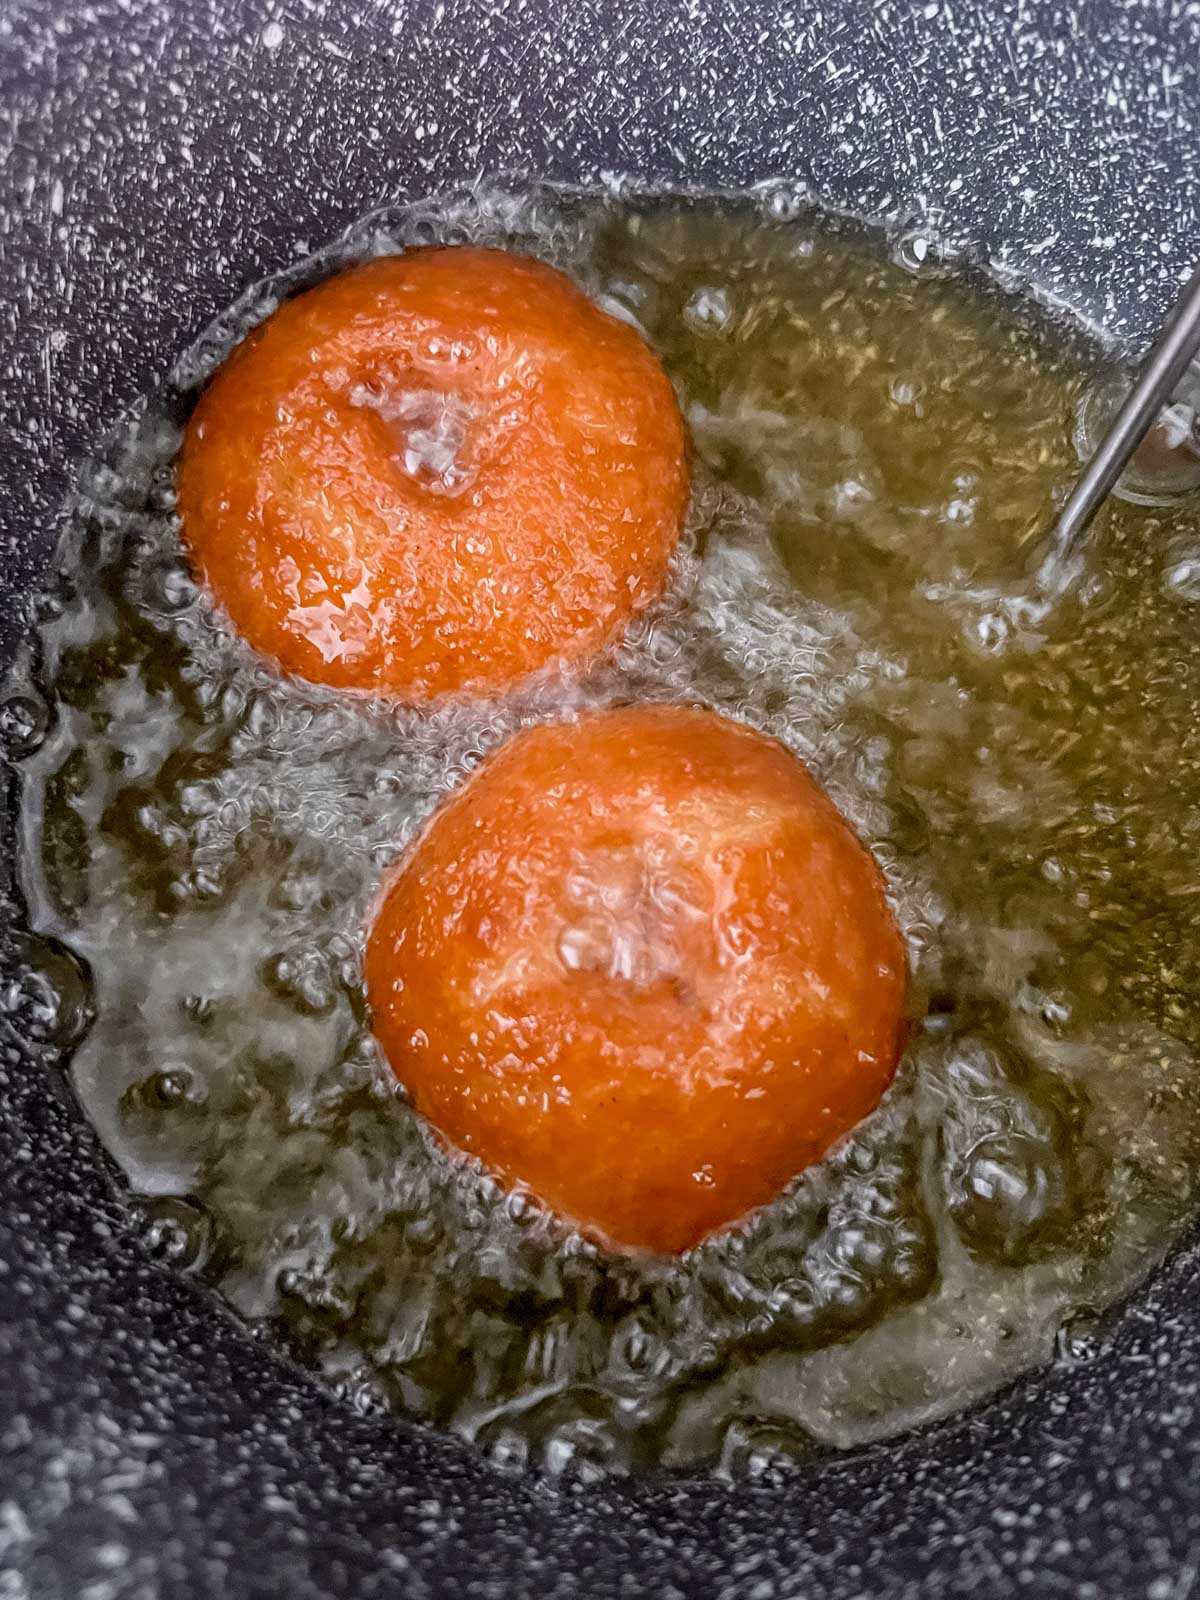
(640, 965)
(437, 472)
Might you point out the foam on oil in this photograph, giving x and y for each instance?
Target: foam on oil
(879, 435)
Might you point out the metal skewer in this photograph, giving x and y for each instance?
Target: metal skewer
(1154, 389)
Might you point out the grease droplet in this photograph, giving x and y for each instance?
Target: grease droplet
(49, 999)
(175, 1231)
(24, 724)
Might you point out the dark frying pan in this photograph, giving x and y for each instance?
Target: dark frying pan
(155, 155)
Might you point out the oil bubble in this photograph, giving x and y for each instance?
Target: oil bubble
(317, 1294)
(173, 1088)
(521, 1208)
(906, 394)
(1080, 1340)
(49, 1000)
(584, 1450)
(762, 1450)
(24, 723)
(990, 632)
(783, 201)
(302, 977)
(1007, 1190)
(362, 1393)
(709, 311)
(922, 254)
(1182, 578)
(170, 587)
(505, 1447)
(174, 1231)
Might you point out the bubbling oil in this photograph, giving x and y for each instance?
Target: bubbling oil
(879, 433)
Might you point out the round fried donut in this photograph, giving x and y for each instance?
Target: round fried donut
(640, 964)
(436, 472)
